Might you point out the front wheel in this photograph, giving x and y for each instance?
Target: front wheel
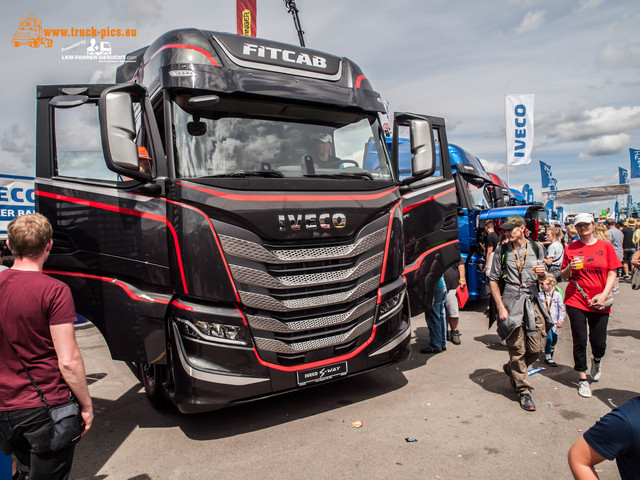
(152, 377)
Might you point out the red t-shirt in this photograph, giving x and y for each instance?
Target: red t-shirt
(29, 303)
(599, 258)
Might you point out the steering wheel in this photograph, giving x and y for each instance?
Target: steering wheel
(352, 162)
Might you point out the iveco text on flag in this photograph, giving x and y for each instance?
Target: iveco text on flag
(634, 161)
(545, 174)
(623, 175)
(519, 128)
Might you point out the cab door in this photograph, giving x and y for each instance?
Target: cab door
(109, 218)
(429, 204)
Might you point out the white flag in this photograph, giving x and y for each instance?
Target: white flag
(519, 127)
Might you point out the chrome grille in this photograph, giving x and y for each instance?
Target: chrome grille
(274, 325)
(282, 347)
(264, 279)
(253, 251)
(317, 299)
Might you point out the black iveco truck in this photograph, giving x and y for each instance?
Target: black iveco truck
(228, 216)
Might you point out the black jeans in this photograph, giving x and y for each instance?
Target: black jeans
(597, 323)
(26, 433)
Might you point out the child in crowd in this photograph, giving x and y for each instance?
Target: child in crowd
(555, 307)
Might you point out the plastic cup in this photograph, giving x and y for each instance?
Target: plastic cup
(536, 266)
(579, 262)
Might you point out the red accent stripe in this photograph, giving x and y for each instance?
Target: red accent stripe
(244, 319)
(113, 281)
(126, 211)
(215, 237)
(321, 362)
(182, 306)
(386, 249)
(359, 80)
(289, 198)
(418, 262)
(433, 197)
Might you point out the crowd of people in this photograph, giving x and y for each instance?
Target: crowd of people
(530, 310)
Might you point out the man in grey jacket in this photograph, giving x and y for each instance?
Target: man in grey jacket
(517, 266)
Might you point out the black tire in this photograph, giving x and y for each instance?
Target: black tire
(152, 378)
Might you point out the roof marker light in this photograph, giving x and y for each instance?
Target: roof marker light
(182, 73)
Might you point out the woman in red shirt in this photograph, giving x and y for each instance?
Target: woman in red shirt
(590, 266)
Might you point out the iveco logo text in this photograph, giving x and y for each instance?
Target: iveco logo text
(286, 55)
(312, 221)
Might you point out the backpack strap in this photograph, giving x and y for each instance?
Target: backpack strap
(535, 246)
(505, 248)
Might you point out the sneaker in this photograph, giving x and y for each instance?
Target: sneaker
(615, 290)
(455, 337)
(429, 350)
(596, 369)
(583, 389)
(526, 403)
(448, 335)
(551, 362)
(507, 371)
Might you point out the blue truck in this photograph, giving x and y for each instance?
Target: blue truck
(475, 194)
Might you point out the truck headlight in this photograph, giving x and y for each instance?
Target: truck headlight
(214, 331)
(390, 303)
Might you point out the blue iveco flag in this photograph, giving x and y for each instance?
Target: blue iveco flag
(545, 174)
(623, 175)
(616, 210)
(560, 211)
(549, 208)
(527, 191)
(553, 184)
(635, 163)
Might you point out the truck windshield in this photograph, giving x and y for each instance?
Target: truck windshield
(239, 137)
(478, 194)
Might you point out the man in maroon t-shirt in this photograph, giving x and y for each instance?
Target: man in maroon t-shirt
(37, 319)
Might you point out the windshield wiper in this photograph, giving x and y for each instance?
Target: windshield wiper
(250, 173)
(365, 175)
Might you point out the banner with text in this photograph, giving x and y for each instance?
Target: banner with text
(246, 17)
(634, 160)
(623, 175)
(519, 128)
(545, 174)
(16, 198)
(582, 195)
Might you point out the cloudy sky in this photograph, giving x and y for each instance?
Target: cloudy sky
(455, 59)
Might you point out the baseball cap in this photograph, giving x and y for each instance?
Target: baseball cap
(583, 218)
(143, 153)
(325, 138)
(512, 222)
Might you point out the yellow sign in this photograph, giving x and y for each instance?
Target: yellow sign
(246, 23)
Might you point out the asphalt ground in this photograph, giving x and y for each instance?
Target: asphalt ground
(457, 405)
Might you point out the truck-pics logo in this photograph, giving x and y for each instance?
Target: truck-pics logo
(311, 221)
(30, 32)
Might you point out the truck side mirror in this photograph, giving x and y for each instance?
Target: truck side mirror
(422, 148)
(121, 130)
(118, 129)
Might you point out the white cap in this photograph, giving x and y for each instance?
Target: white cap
(583, 218)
